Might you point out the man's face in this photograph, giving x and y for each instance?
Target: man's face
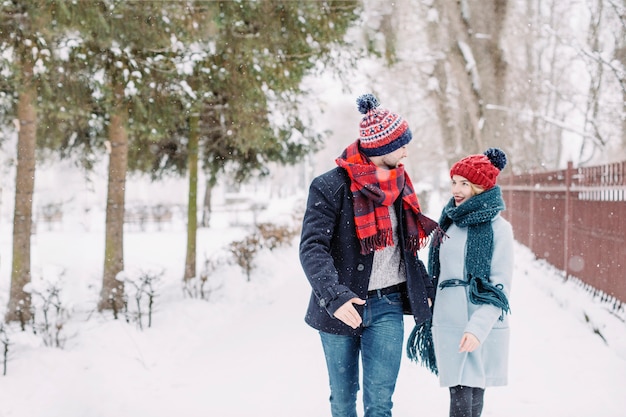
(391, 160)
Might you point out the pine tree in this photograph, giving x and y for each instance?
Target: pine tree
(245, 59)
(26, 30)
(156, 85)
(122, 57)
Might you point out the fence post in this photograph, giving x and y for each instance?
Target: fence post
(510, 192)
(509, 200)
(531, 224)
(568, 218)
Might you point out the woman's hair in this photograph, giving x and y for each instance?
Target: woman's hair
(477, 189)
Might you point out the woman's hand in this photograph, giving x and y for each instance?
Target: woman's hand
(469, 343)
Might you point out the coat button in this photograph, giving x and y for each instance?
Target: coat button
(322, 302)
(360, 267)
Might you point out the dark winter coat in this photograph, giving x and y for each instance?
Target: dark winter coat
(332, 262)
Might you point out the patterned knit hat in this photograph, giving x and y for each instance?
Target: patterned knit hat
(481, 169)
(380, 131)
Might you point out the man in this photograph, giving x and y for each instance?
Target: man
(361, 232)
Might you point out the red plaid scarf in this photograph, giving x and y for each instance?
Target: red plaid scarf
(374, 190)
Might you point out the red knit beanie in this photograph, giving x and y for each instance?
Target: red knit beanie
(380, 131)
(481, 169)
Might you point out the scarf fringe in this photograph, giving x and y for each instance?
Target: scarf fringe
(438, 237)
(415, 243)
(429, 231)
(381, 239)
(481, 291)
(429, 226)
(420, 347)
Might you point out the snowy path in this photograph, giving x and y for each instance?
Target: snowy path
(249, 353)
(558, 368)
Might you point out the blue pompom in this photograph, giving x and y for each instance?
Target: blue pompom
(497, 157)
(367, 102)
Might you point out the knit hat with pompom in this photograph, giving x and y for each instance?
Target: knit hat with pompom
(380, 131)
(481, 169)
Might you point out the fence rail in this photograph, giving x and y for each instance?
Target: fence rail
(575, 219)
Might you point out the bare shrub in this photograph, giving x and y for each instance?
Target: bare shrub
(274, 235)
(244, 252)
(142, 290)
(49, 315)
(4, 340)
(201, 286)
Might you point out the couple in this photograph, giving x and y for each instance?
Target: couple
(361, 233)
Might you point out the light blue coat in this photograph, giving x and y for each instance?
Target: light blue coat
(454, 314)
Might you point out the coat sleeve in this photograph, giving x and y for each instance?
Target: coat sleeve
(485, 317)
(318, 228)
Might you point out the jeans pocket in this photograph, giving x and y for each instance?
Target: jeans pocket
(393, 298)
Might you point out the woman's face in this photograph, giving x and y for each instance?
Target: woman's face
(462, 189)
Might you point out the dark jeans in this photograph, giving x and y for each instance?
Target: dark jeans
(466, 401)
(380, 349)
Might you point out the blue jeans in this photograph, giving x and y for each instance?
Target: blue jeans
(380, 348)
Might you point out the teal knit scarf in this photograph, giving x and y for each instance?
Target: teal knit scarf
(475, 214)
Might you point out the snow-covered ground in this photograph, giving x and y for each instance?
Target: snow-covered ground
(247, 351)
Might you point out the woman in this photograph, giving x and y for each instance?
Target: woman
(473, 266)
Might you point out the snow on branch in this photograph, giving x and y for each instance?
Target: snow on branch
(470, 65)
(543, 117)
(620, 11)
(613, 64)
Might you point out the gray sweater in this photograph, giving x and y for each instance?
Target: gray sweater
(388, 265)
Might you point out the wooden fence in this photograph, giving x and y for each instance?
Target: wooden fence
(575, 219)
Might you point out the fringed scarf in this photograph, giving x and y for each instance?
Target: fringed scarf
(374, 190)
(420, 347)
(475, 214)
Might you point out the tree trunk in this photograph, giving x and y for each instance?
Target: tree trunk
(19, 300)
(112, 293)
(487, 20)
(468, 34)
(206, 205)
(192, 206)
(620, 55)
(450, 131)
